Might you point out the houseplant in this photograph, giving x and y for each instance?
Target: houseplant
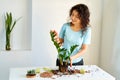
(9, 25)
(31, 73)
(63, 54)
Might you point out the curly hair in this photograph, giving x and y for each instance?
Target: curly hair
(84, 14)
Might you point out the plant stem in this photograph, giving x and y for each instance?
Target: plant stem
(8, 42)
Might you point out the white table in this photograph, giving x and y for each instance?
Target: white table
(96, 73)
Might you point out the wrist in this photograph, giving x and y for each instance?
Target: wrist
(71, 57)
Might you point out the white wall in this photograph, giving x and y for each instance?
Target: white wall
(20, 55)
(47, 15)
(110, 48)
(21, 34)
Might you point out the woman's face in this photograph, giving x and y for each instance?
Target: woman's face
(75, 18)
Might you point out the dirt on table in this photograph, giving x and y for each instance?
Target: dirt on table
(46, 74)
(57, 72)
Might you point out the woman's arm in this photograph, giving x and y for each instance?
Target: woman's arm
(81, 52)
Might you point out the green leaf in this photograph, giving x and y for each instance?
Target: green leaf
(56, 44)
(72, 48)
(62, 49)
(67, 57)
(61, 56)
(13, 26)
(37, 70)
(10, 19)
(47, 69)
(82, 71)
(9, 24)
(31, 72)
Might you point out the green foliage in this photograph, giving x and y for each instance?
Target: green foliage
(31, 71)
(9, 22)
(66, 53)
(47, 69)
(37, 70)
(82, 71)
(9, 25)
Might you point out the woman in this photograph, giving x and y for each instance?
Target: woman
(76, 32)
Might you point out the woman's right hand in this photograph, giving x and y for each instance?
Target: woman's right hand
(56, 38)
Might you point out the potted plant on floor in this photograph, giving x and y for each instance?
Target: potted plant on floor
(63, 54)
(9, 25)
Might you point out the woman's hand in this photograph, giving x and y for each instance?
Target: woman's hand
(71, 59)
(81, 52)
(56, 38)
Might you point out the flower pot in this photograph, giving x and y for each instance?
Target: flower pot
(63, 68)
